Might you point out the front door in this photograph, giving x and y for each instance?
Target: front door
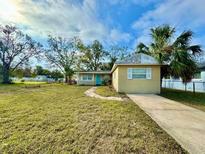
(98, 79)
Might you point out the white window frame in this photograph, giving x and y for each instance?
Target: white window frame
(87, 79)
(148, 74)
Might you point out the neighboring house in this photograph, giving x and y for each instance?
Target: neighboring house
(196, 84)
(41, 78)
(137, 73)
(38, 78)
(92, 77)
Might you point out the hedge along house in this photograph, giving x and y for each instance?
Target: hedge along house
(92, 77)
(138, 73)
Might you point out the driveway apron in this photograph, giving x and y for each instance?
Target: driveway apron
(185, 124)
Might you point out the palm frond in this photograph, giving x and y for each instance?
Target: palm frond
(162, 33)
(168, 49)
(142, 48)
(184, 39)
(196, 49)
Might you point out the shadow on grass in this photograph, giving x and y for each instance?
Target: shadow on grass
(196, 100)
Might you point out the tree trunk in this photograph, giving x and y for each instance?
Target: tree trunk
(66, 79)
(69, 80)
(6, 74)
(185, 86)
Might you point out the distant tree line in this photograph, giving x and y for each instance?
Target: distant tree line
(70, 55)
(38, 70)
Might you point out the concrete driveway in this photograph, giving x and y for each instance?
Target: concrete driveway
(185, 124)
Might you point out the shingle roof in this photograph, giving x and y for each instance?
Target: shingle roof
(139, 58)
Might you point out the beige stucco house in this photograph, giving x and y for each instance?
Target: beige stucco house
(137, 73)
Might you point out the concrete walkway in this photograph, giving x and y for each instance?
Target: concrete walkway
(185, 124)
(91, 93)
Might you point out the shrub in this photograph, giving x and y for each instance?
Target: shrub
(106, 81)
(1, 79)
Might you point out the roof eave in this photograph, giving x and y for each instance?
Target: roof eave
(87, 72)
(115, 65)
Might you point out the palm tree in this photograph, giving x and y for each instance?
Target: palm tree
(161, 37)
(178, 55)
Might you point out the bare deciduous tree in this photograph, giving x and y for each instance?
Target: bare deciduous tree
(16, 48)
(62, 54)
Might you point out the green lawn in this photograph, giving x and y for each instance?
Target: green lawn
(108, 91)
(61, 119)
(30, 82)
(196, 100)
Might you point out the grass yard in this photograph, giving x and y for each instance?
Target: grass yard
(30, 82)
(107, 91)
(196, 100)
(61, 119)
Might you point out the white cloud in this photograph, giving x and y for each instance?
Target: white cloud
(133, 2)
(117, 35)
(175, 12)
(59, 17)
(183, 14)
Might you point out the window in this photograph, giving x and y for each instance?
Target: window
(87, 77)
(139, 73)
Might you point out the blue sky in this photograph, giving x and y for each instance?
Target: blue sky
(122, 22)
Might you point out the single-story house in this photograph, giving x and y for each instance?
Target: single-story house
(137, 73)
(92, 77)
